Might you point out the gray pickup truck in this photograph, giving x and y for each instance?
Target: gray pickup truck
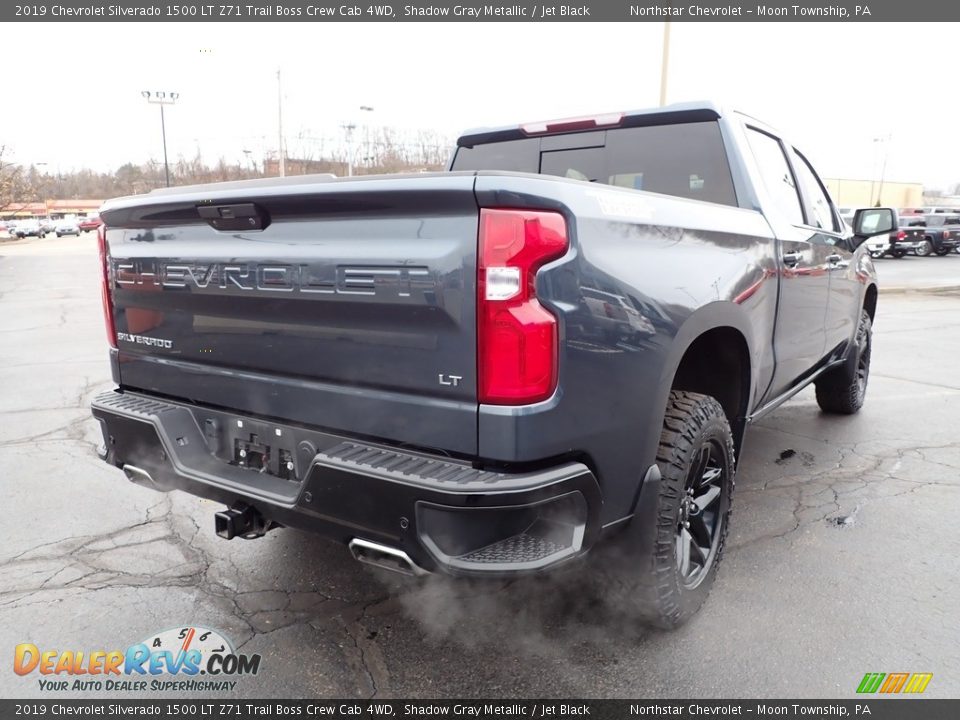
(551, 349)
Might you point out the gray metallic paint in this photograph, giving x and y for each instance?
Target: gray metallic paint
(672, 268)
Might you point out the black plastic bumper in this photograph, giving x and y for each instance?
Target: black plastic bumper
(444, 514)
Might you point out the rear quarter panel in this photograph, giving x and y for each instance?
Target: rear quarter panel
(683, 267)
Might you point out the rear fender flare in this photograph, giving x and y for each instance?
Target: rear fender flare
(720, 314)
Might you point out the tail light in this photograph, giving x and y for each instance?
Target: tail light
(902, 235)
(105, 286)
(516, 336)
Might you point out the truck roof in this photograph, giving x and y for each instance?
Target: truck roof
(676, 113)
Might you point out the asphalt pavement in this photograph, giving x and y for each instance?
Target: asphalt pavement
(923, 274)
(842, 560)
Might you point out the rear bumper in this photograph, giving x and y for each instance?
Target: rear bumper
(444, 514)
(908, 244)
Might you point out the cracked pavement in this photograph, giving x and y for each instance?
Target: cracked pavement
(842, 557)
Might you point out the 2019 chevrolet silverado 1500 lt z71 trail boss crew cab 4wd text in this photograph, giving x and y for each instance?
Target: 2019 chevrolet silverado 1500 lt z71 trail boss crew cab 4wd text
(555, 345)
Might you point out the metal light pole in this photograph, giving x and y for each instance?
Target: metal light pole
(348, 128)
(283, 159)
(161, 99)
(253, 164)
(366, 133)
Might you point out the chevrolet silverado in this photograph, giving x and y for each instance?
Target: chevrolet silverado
(554, 347)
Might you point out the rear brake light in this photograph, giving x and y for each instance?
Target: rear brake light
(573, 124)
(902, 235)
(517, 339)
(105, 286)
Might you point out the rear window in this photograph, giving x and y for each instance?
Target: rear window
(685, 160)
(940, 220)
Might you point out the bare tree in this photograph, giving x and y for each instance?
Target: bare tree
(16, 188)
(383, 150)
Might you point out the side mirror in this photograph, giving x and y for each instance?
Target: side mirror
(874, 221)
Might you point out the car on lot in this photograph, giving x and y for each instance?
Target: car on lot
(67, 227)
(893, 244)
(910, 235)
(29, 228)
(91, 222)
(941, 234)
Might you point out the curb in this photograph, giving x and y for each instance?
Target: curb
(914, 290)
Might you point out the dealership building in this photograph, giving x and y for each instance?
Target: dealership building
(51, 209)
(870, 193)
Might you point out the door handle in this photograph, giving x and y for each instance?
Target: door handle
(791, 259)
(834, 259)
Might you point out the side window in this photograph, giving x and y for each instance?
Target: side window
(776, 174)
(819, 213)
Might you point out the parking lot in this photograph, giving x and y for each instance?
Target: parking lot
(913, 273)
(842, 560)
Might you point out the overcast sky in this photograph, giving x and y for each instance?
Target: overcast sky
(72, 92)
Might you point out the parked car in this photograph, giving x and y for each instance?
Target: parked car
(67, 227)
(423, 378)
(91, 222)
(910, 236)
(28, 228)
(48, 225)
(895, 244)
(941, 234)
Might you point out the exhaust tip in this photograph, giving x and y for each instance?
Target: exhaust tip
(140, 476)
(385, 557)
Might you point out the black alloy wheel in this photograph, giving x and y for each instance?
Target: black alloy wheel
(701, 514)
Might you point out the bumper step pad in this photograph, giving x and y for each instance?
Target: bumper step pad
(522, 548)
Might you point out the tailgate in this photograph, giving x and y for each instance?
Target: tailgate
(353, 309)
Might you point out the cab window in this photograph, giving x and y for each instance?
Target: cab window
(817, 206)
(775, 171)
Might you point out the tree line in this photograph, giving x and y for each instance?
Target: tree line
(381, 151)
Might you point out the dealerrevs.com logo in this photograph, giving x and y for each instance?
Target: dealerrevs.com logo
(186, 659)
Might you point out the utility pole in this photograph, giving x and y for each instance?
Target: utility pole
(665, 63)
(283, 162)
(880, 144)
(883, 169)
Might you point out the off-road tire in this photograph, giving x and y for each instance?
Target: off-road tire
(843, 389)
(650, 587)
